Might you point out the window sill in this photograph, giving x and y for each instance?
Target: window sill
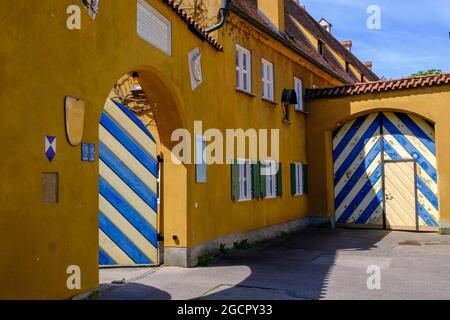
(302, 112)
(269, 101)
(247, 93)
(244, 200)
(298, 195)
(270, 198)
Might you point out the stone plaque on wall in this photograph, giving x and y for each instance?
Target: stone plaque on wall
(153, 27)
(49, 182)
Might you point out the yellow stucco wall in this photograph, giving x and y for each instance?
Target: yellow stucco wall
(325, 115)
(42, 62)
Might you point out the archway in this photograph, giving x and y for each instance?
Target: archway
(385, 173)
(135, 181)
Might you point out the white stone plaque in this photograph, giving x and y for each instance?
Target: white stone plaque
(153, 27)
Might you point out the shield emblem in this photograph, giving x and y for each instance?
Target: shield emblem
(75, 112)
(50, 147)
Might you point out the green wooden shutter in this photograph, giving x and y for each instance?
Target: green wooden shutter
(293, 180)
(262, 184)
(234, 181)
(256, 181)
(305, 179)
(279, 181)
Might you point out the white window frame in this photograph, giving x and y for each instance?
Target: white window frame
(243, 69)
(271, 176)
(200, 159)
(298, 85)
(267, 80)
(299, 187)
(245, 179)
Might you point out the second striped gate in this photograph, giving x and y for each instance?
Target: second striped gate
(385, 173)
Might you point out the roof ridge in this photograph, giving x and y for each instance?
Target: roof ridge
(403, 78)
(326, 34)
(380, 86)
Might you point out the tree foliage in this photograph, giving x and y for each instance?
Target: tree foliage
(428, 72)
(197, 9)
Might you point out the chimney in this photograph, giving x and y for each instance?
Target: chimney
(348, 45)
(368, 64)
(326, 25)
(274, 11)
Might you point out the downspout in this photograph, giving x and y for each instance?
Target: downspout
(223, 14)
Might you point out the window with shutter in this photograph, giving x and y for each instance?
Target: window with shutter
(245, 179)
(269, 173)
(298, 179)
(235, 194)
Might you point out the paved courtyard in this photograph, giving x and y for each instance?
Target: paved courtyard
(310, 264)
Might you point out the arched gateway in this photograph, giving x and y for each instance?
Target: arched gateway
(385, 173)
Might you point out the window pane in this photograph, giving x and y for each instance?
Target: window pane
(245, 61)
(300, 179)
(299, 92)
(249, 180)
(238, 68)
(238, 82)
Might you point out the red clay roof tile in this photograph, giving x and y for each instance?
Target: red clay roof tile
(379, 86)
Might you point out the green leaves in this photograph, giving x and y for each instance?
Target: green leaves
(427, 73)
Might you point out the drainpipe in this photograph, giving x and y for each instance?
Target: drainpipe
(223, 14)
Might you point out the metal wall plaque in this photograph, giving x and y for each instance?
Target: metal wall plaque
(88, 152)
(92, 7)
(50, 183)
(153, 27)
(75, 114)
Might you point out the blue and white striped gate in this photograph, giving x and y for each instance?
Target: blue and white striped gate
(128, 189)
(362, 148)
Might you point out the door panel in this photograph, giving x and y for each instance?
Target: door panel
(128, 190)
(357, 150)
(400, 196)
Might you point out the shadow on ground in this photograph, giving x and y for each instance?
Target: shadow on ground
(294, 266)
(132, 291)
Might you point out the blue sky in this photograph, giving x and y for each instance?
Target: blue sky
(414, 34)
